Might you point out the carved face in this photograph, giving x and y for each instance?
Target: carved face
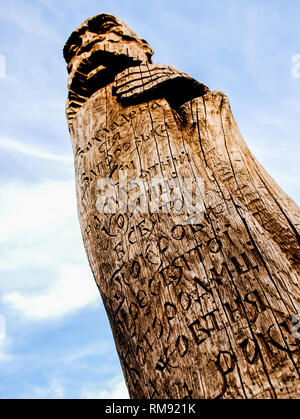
(99, 49)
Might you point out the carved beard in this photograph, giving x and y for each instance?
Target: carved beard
(100, 69)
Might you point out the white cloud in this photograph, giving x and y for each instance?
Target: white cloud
(54, 390)
(42, 250)
(30, 20)
(39, 225)
(30, 150)
(5, 356)
(73, 290)
(99, 348)
(27, 207)
(115, 389)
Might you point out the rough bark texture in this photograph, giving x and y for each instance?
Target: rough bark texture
(197, 311)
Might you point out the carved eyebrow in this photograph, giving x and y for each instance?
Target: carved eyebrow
(94, 25)
(98, 24)
(74, 41)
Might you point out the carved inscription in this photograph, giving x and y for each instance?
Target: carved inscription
(182, 291)
(198, 309)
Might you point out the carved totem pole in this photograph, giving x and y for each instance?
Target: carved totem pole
(199, 308)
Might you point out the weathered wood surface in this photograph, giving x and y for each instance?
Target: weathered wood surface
(197, 311)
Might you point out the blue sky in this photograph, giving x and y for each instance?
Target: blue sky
(58, 342)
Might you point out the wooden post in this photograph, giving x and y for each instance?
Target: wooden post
(201, 304)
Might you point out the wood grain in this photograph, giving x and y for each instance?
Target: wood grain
(197, 310)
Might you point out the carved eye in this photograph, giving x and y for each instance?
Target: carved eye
(72, 46)
(98, 26)
(107, 26)
(145, 42)
(74, 49)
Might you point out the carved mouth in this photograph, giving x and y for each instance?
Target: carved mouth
(94, 72)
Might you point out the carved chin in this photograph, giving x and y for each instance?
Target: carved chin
(96, 71)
